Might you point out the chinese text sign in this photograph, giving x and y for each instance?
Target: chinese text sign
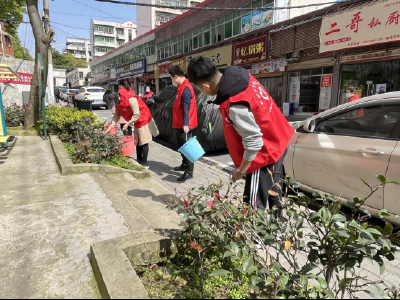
(250, 51)
(24, 78)
(373, 24)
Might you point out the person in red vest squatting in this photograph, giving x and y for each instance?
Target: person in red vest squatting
(255, 130)
(184, 116)
(138, 114)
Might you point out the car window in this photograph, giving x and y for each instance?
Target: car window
(375, 122)
(96, 90)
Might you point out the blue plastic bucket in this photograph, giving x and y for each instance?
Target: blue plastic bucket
(192, 150)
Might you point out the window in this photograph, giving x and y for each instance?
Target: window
(80, 75)
(121, 42)
(228, 30)
(368, 122)
(96, 90)
(237, 26)
(207, 38)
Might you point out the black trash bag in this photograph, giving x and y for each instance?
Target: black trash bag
(210, 129)
(149, 102)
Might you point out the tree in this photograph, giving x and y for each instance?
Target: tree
(43, 36)
(67, 61)
(12, 13)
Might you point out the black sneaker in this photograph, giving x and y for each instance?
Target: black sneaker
(180, 168)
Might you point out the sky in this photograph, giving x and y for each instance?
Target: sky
(66, 14)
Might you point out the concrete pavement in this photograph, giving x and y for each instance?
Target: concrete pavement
(47, 224)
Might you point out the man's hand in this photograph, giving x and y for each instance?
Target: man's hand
(125, 127)
(236, 175)
(186, 129)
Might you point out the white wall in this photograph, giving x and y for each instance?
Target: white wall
(12, 93)
(143, 18)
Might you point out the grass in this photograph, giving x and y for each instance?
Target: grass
(32, 128)
(117, 161)
(176, 280)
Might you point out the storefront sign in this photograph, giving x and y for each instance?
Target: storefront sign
(98, 77)
(246, 23)
(372, 24)
(269, 67)
(326, 81)
(294, 96)
(107, 75)
(222, 57)
(262, 18)
(133, 68)
(371, 56)
(325, 95)
(162, 70)
(250, 51)
(24, 79)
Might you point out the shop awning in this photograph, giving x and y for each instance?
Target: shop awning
(311, 64)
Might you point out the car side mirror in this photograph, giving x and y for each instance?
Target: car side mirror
(309, 125)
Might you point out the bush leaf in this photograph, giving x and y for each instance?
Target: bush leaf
(220, 273)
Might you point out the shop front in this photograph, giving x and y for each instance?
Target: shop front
(270, 75)
(310, 85)
(221, 57)
(133, 72)
(373, 27)
(161, 71)
(375, 72)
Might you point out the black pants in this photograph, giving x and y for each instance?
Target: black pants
(126, 132)
(142, 153)
(260, 182)
(189, 166)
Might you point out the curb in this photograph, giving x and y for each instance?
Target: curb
(22, 132)
(113, 260)
(67, 167)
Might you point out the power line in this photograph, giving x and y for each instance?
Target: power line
(70, 26)
(213, 8)
(95, 9)
(61, 13)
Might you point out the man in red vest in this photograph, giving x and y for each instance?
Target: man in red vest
(184, 116)
(256, 132)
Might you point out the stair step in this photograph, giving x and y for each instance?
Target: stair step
(149, 198)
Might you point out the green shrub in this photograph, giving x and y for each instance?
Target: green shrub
(66, 121)
(121, 162)
(15, 114)
(292, 252)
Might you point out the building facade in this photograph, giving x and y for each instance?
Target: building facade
(6, 43)
(60, 77)
(287, 57)
(149, 18)
(78, 78)
(79, 48)
(106, 36)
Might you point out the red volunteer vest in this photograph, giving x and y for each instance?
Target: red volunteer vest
(276, 130)
(148, 95)
(124, 108)
(177, 121)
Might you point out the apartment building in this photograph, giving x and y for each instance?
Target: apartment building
(105, 36)
(6, 42)
(149, 18)
(79, 48)
(76, 78)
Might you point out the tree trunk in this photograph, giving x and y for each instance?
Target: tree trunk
(42, 44)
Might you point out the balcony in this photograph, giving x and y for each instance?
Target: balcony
(104, 33)
(106, 44)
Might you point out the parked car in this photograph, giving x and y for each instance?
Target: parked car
(331, 151)
(63, 94)
(70, 95)
(93, 93)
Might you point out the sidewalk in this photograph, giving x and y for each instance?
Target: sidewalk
(162, 162)
(47, 224)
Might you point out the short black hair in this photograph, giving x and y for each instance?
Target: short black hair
(176, 71)
(111, 98)
(201, 69)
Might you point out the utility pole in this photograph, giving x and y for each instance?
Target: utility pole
(46, 21)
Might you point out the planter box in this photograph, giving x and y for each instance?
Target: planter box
(84, 105)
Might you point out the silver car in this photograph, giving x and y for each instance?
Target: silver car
(332, 151)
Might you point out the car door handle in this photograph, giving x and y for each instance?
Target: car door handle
(371, 152)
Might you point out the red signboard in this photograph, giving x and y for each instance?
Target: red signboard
(326, 81)
(250, 51)
(24, 78)
(164, 69)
